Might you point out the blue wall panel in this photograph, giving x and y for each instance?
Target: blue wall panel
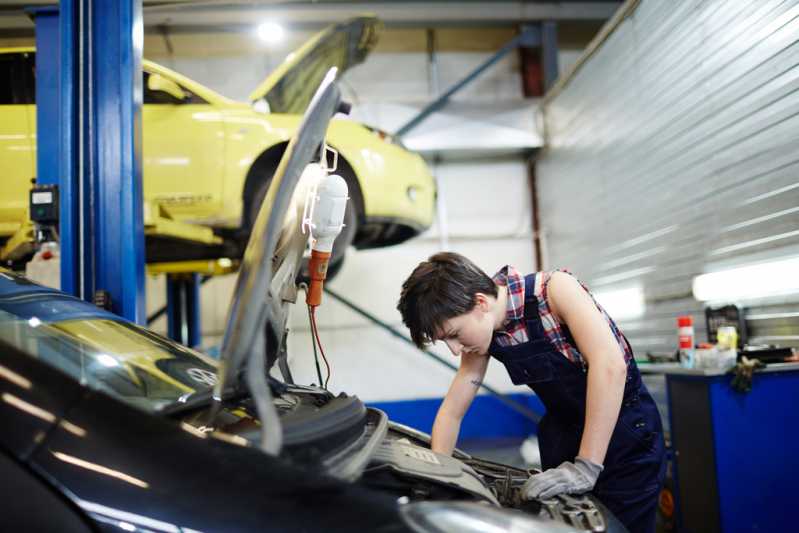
(487, 418)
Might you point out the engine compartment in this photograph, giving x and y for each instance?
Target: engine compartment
(342, 437)
(405, 465)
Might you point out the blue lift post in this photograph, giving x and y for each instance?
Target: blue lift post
(98, 131)
(47, 78)
(183, 308)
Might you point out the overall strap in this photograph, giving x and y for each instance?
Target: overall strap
(530, 299)
(533, 319)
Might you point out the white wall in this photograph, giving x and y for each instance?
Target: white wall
(675, 143)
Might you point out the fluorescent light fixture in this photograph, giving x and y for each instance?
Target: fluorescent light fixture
(34, 322)
(758, 280)
(622, 303)
(270, 32)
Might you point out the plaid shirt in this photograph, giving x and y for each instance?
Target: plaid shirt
(514, 331)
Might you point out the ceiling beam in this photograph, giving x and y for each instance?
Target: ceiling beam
(406, 14)
(203, 16)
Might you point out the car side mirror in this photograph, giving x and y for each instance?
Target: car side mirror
(156, 82)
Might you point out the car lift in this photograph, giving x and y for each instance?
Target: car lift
(88, 92)
(89, 143)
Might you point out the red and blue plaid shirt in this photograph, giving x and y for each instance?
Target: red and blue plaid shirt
(514, 331)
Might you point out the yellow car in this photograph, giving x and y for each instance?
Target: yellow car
(207, 159)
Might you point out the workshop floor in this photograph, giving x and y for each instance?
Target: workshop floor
(509, 451)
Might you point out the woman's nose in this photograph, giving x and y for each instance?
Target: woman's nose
(454, 346)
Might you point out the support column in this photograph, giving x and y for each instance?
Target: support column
(183, 308)
(102, 232)
(549, 52)
(47, 94)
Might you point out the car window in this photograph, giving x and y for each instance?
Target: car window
(116, 357)
(159, 97)
(12, 80)
(28, 60)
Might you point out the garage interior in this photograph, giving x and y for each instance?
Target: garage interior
(643, 146)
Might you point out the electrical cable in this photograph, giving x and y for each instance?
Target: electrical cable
(313, 343)
(319, 342)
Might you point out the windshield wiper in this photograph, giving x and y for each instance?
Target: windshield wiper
(198, 399)
(205, 397)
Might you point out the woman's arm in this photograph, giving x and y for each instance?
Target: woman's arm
(607, 369)
(459, 397)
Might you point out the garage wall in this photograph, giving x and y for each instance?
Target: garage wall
(672, 151)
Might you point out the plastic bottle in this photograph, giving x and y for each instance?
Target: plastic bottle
(685, 333)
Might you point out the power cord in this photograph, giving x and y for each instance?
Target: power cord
(314, 341)
(315, 334)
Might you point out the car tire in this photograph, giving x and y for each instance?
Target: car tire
(340, 245)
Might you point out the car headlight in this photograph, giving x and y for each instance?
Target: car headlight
(466, 517)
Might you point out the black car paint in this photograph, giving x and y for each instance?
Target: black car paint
(119, 464)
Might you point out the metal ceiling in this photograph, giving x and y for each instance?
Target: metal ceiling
(210, 15)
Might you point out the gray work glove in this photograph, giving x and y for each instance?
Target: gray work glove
(569, 478)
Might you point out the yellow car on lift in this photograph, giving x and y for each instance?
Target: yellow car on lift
(207, 160)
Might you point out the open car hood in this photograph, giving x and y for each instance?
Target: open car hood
(290, 87)
(266, 286)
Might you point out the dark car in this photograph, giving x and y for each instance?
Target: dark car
(111, 427)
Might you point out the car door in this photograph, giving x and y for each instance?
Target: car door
(17, 126)
(183, 150)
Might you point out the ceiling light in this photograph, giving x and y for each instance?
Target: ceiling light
(270, 32)
(758, 280)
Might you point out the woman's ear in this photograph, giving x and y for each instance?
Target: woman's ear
(482, 302)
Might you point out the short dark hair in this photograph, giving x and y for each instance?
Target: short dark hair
(440, 288)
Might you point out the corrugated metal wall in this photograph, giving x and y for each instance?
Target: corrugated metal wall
(673, 151)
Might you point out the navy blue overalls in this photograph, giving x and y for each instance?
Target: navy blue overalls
(634, 465)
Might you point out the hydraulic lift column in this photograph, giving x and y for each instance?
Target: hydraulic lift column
(97, 130)
(183, 308)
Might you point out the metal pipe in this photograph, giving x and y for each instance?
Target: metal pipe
(529, 37)
(533, 182)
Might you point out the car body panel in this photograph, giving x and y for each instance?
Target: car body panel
(33, 399)
(186, 187)
(17, 143)
(290, 87)
(124, 467)
(388, 170)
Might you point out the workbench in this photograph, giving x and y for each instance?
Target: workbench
(736, 455)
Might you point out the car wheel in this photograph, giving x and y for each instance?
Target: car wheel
(340, 245)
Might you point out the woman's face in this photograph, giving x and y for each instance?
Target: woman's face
(470, 332)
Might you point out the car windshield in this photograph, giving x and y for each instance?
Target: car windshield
(112, 356)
